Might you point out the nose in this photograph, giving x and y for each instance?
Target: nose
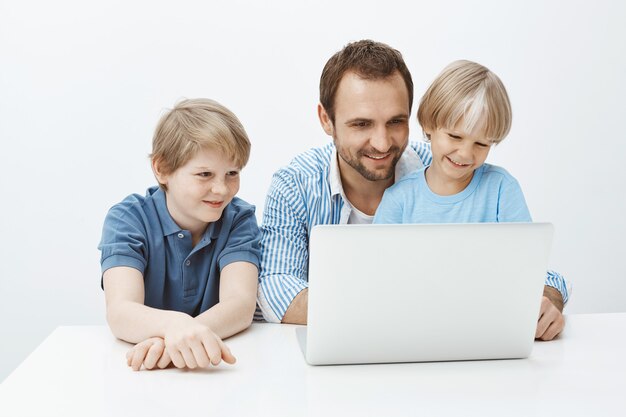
(219, 187)
(465, 150)
(381, 139)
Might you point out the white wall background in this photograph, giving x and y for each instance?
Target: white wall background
(83, 84)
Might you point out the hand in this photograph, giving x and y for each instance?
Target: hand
(551, 321)
(191, 344)
(148, 353)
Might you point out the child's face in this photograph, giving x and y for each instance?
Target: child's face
(198, 191)
(457, 153)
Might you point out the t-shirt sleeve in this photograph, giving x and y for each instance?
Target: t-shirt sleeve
(123, 241)
(512, 205)
(243, 240)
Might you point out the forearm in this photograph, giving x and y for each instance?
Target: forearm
(554, 296)
(228, 317)
(297, 311)
(134, 322)
(235, 310)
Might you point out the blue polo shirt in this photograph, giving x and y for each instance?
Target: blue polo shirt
(140, 233)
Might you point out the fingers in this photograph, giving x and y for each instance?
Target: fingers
(553, 330)
(197, 348)
(226, 354)
(551, 321)
(154, 354)
(212, 348)
(200, 354)
(165, 360)
(136, 355)
(190, 360)
(176, 356)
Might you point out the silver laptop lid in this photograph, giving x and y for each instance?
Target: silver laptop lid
(406, 293)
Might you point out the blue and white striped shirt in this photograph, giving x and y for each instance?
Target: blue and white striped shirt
(306, 193)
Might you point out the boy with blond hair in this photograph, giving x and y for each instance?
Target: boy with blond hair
(180, 264)
(463, 113)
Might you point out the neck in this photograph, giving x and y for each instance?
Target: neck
(439, 185)
(363, 194)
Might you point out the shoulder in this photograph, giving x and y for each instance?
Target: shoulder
(406, 186)
(239, 208)
(409, 180)
(497, 178)
(422, 149)
(309, 164)
(306, 176)
(135, 207)
(497, 173)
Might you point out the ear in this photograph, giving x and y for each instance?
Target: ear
(427, 133)
(158, 172)
(325, 121)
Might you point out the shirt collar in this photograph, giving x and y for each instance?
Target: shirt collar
(168, 224)
(408, 162)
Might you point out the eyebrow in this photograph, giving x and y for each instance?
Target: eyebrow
(357, 120)
(402, 116)
(233, 168)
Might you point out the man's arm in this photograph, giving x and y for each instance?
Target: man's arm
(284, 255)
(551, 321)
(297, 311)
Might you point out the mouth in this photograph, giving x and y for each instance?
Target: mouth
(377, 157)
(213, 204)
(457, 163)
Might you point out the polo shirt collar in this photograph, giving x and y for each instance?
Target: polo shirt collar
(408, 162)
(168, 224)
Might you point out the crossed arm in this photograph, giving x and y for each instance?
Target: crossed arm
(164, 336)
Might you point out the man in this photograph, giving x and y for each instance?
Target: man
(366, 95)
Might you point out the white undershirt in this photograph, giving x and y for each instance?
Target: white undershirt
(358, 217)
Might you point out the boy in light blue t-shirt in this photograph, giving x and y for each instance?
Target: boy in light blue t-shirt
(464, 112)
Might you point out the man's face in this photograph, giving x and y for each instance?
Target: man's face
(371, 127)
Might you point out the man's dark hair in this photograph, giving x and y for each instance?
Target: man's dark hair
(369, 60)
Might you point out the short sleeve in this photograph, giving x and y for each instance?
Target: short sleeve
(512, 204)
(243, 240)
(124, 240)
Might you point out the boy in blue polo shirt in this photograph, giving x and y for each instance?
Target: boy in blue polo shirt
(463, 113)
(180, 264)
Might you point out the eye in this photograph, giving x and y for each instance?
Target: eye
(205, 174)
(360, 124)
(232, 173)
(395, 122)
(482, 145)
(455, 137)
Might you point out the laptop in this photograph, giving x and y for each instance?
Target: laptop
(424, 292)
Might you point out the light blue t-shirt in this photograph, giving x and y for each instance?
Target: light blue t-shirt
(492, 196)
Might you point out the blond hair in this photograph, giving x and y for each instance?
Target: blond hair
(469, 92)
(194, 124)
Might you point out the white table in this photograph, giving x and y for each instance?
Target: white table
(81, 371)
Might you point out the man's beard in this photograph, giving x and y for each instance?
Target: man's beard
(371, 175)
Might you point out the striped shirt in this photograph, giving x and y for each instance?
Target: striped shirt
(306, 193)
